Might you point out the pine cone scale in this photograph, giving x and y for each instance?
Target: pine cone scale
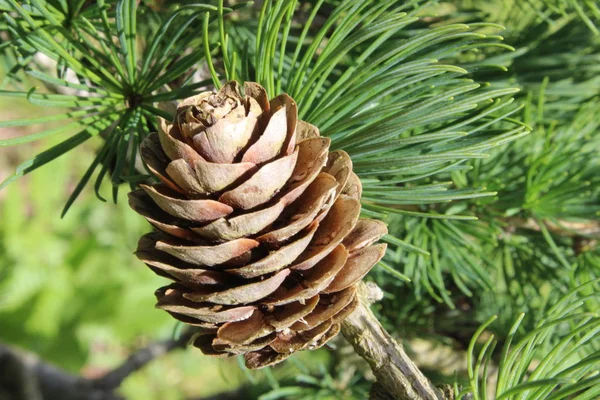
(208, 256)
(245, 331)
(222, 142)
(184, 176)
(244, 294)
(356, 267)
(242, 225)
(290, 342)
(257, 225)
(328, 306)
(172, 300)
(188, 209)
(261, 186)
(278, 259)
(314, 280)
(214, 177)
(271, 142)
(257, 344)
(175, 148)
(140, 202)
(263, 358)
(305, 211)
(284, 317)
(338, 223)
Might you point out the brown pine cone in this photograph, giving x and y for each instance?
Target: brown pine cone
(257, 225)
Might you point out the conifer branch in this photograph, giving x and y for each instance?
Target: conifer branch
(113, 379)
(24, 376)
(561, 228)
(30, 378)
(392, 367)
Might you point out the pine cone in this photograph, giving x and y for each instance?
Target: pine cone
(257, 225)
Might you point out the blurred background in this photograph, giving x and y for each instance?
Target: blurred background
(73, 294)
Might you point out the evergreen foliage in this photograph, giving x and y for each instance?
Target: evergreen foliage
(472, 124)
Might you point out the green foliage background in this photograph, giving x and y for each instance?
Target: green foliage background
(478, 145)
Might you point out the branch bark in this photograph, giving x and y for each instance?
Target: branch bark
(23, 376)
(138, 360)
(589, 229)
(394, 370)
